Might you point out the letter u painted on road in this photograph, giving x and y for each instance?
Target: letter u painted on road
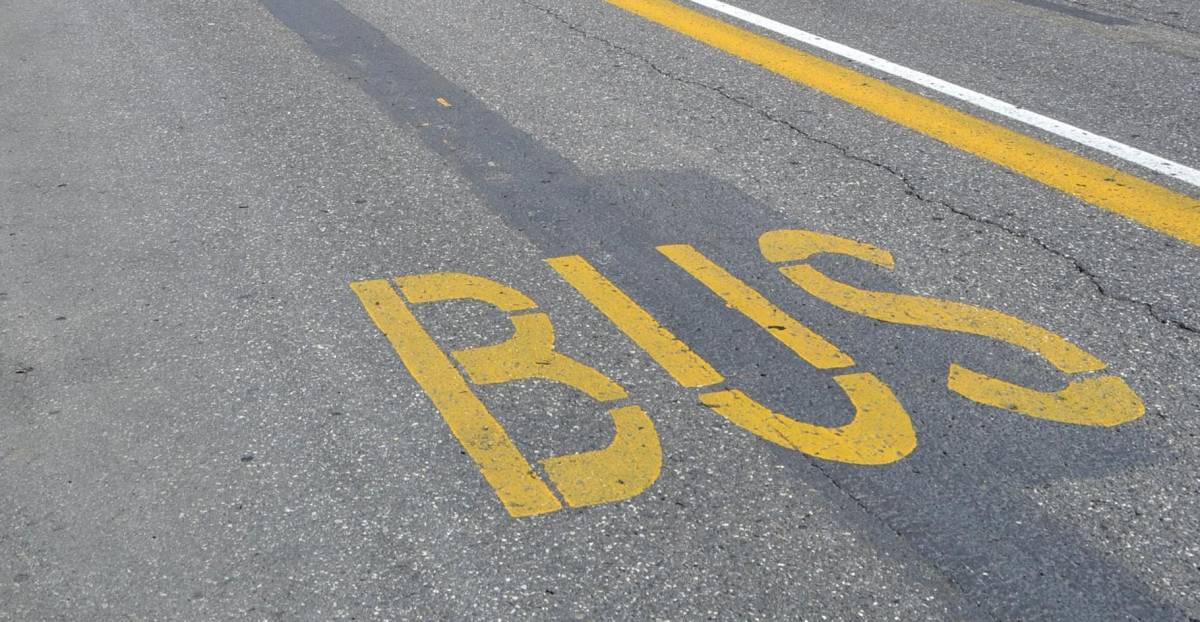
(629, 465)
(880, 432)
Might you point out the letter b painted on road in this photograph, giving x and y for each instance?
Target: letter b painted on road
(629, 465)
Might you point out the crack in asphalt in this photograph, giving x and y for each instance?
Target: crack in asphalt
(1083, 270)
(634, 55)
(910, 189)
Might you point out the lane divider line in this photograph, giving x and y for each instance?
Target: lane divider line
(1054, 126)
(1147, 203)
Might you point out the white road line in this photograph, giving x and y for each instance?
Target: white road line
(1054, 126)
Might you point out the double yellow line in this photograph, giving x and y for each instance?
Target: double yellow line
(1154, 206)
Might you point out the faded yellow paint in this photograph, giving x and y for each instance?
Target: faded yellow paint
(880, 433)
(1103, 401)
(806, 343)
(684, 365)
(530, 353)
(521, 491)
(629, 465)
(1152, 205)
(944, 315)
(620, 471)
(442, 286)
(792, 244)
(784, 245)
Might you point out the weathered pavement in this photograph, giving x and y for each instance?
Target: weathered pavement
(201, 418)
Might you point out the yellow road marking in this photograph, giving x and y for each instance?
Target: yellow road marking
(684, 365)
(529, 354)
(1104, 401)
(799, 338)
(1152, 205)
(945, 315)
(623, 470)
(880, 433)
(439, 286)
(521, 491)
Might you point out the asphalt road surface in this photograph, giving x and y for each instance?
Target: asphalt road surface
(599, 309)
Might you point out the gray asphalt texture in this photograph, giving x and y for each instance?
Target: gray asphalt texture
(198, 421)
